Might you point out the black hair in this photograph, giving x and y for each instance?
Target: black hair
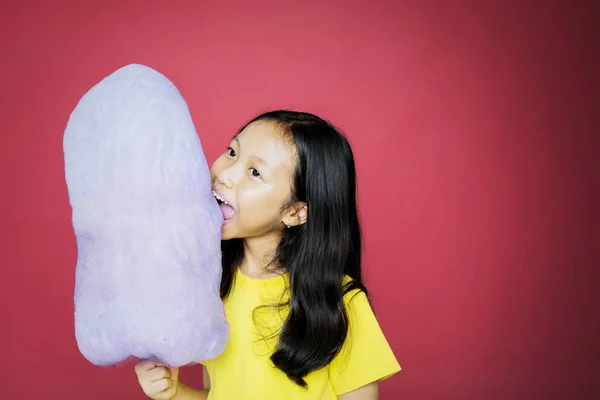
(317, 254)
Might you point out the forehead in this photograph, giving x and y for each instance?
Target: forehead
(266, 140)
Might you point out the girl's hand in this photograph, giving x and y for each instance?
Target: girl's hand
(158, 381)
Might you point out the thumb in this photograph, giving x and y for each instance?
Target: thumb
(146, 365)
(175, 374)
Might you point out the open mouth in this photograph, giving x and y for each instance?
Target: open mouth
(226, 209)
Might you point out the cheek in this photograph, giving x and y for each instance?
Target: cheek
(215, 168)
(259, 206)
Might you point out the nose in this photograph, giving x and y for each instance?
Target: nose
(227, 176)
(224, 179)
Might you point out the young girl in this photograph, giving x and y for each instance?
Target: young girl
(301, 326)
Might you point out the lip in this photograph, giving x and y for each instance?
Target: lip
(225, 198)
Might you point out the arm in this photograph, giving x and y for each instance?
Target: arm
(205, 378)
(365, 358)
(367, 392)
(187, 393)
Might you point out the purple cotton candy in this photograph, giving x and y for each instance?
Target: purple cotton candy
(147, 225)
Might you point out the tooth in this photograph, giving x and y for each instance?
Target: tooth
(219, 197)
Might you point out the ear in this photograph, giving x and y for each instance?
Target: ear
(296, 215)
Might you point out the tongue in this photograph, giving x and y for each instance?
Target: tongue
(227, 211)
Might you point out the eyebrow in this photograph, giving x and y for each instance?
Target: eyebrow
(260, 160)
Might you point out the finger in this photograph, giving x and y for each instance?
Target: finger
(158, 373)
(160, 395)
(161, 385)
(170, 392)
(166, 394)
(145, 365)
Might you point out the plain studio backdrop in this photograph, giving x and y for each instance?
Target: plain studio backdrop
(476, 134)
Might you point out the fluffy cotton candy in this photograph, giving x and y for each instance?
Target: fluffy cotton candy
(147, 225)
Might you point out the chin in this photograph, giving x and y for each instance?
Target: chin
(226, 232)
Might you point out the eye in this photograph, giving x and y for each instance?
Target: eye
(255, 173)
(230, 152)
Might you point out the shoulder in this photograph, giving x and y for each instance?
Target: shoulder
(352, 291)
(365, 356)
(356, 302)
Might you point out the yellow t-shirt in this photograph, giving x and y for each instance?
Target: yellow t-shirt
(245, 371)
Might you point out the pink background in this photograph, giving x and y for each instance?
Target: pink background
(475, 129)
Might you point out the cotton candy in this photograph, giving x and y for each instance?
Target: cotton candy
(147, 225)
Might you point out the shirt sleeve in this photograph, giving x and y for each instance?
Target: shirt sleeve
(366, 355)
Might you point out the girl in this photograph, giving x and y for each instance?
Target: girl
(300, 321)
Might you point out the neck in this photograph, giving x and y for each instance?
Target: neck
(258, 254)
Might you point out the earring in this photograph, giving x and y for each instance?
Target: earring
(287, 226)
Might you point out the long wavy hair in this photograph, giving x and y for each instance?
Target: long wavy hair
(317, 254)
